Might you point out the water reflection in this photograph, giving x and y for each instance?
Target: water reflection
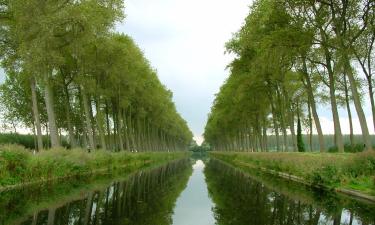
(194, 206)
(156, 197)
(145, 198)
(242, 200)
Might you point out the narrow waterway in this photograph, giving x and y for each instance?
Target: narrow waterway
(194, 206)
(188, 192)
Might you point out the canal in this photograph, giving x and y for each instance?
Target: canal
(187, 192)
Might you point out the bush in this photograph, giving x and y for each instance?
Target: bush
(333, 149)
(362, 164)
(13, 163)
(26, 140)
(328, 175)
(348, 148)
(354, 148)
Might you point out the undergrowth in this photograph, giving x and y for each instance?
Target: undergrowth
(19, 165)
(332, 170)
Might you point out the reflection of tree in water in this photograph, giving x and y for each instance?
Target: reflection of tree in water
(199, 155)
(241, 200)
(145, 198)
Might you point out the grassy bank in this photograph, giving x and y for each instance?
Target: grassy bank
(168, 180)
(19, 166)
(331, 170)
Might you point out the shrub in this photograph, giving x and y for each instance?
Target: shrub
(354, 148)
(328, 175)
(348, 148)
(362, 164)
(26, 140)
(333, 149)
(13, 163)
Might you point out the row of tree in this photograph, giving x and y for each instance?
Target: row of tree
(291, 56)
(68, 73)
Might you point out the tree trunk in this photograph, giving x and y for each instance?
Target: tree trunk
(313, 107)
(372, 101)
(126, 131)
(108, 125)
(72, 139)
(88, 119)
(340, 31)
(48, 95)
(120, 129)
(347, 101)
(100, 123)
(357, 104)
(292, 130)
(310, 124)
(338, 134)
(38, 126)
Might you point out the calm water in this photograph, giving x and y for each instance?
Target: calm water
(188, 192)
(194, 207)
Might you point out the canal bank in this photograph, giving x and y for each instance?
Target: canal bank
(19, 167)
(137, 198)
(182, 192)
(350, 174)
(241, 198)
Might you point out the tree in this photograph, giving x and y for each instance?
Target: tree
(288, 52)
(98, 87)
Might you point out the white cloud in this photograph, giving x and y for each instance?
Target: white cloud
(184, 40)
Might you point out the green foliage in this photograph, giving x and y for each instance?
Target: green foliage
(328, 176)
(204, 147)
(26, 140)
(248, 197)
(291, 56)
(333, 149)
(13, 164)
(153, 206)
(300, 144)
(354, 148)
(18, 165)
(11, 138)
(329, 170)
(66, 66)
(348, 148)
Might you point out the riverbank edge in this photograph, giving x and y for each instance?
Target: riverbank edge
(297, 179)
(132, 167)
(80, 193)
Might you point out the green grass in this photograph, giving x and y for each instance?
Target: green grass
(18, 165)
(332, 170)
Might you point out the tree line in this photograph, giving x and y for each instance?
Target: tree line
(68, 73)
(291, 57)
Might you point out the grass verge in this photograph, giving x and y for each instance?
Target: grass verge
(19, 166)
(346, 171)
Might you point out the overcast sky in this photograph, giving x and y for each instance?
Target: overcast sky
(184, 41)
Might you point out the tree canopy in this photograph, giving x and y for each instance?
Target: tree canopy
(292, 55)
(68, 73)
